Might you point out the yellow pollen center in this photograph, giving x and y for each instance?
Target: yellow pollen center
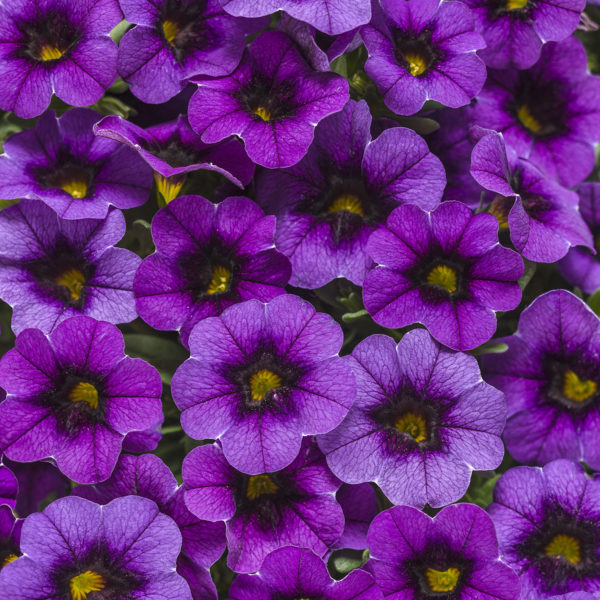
(262, 382)
(260, 485)
(412, 424)
(169, 187)
(263, 113)
(577, 390)
(50, 53)
(528, 120)
(84, 583)
(73, 280)
(170, 30)
(77, 188)
(84, 392)
(348, 202)
(220, 280)
(566, 546)
(499, 209)
(417, 65)
(10, 558)
(516, 4)
(442, 581)
(444, 277)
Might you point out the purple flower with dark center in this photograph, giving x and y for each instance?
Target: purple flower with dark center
(74, 396)
(52, 269)
(423, 50)
(174, 151)
(292, 507)
(79, 550)
(79, 175)
(272, 101)
(549, 114)
(454, 555)
(542, 216)
(274, 376)
(548, 526)
(444, 269)
(551, 378)
(514, 30)
(359, 503)
(329, 203)
(329, 16)
(174, 40)
(580, 267)
(56, 47)
(422, 421)
(208, 258)
(10, 536)
(291, 573)
(148, 476)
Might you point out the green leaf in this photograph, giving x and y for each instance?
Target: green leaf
(528, 274)
(350, 317)
(594, 302)
(345, 564)
(490, 348)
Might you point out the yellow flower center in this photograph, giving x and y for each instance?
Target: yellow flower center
(444, 277)
(442, 581)
(77, 188)
(10, 558)
(516, 4)
(84, 583)
(260, 485)
(499, 209)
(417, 64)
(528, 120)
(263, 113)
(169, 187)
(577, 390)
(50, 53)
(348, 202)
(566, 546)
(84, 392)
(219, 283)
(412, 424)
(262, 382)
(73, 280)
(170, 30)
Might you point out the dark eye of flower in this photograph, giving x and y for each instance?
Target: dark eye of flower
(539, 107)
(416, 54)
(74, 179)
(48, 38)
(565, 546)
(209, 273)
(573, 385)
(262, 382)
(519, 9)
(73, 280)
(260, 485)
(266, 101)
(442, 582)
(349, 202)
(84, 583)
(499, 208)
(576, 389)
(182, 26)
(443, 276)
(412, 424)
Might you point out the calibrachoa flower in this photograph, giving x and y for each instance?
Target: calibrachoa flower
(272, 101)
(549, 114)
(423, 419)
(515, 30)
(423, 50)
(8, 486)
(174, 40)
(208, 258)
(359, 503)
(74, 396)
(292, 507)
(148, 476)
(580, 267)
(56, 46)
(548, 526)
(174, 151)
(79, 175)
(551, 377)
(330, 16)
(260, 377)
(454, 555)
(77, 549)
(329, 203)
(444, 269)
(298, 573)
(542, 216)
(52, 269)
(10, 536)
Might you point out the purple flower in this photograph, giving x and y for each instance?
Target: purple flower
(272, 101)
(74, 396)
(580, 267)
(549, 114)
(359, 503)
(52, 269)
(454, 555)
(421, 50)
(56, 47)
(551, 378)
(8, 487)
(329, 16)
(10, 536)
(174, 151)
(542, 216)
(148, 476)
(329, 203)
(292, 507)
(208, 258)
(548, 526)
(79, 175)
(299, 573)
(515, 30)
(273, 377)
(126, 549)
(422, 421)
(174, 40)
(444, 269)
